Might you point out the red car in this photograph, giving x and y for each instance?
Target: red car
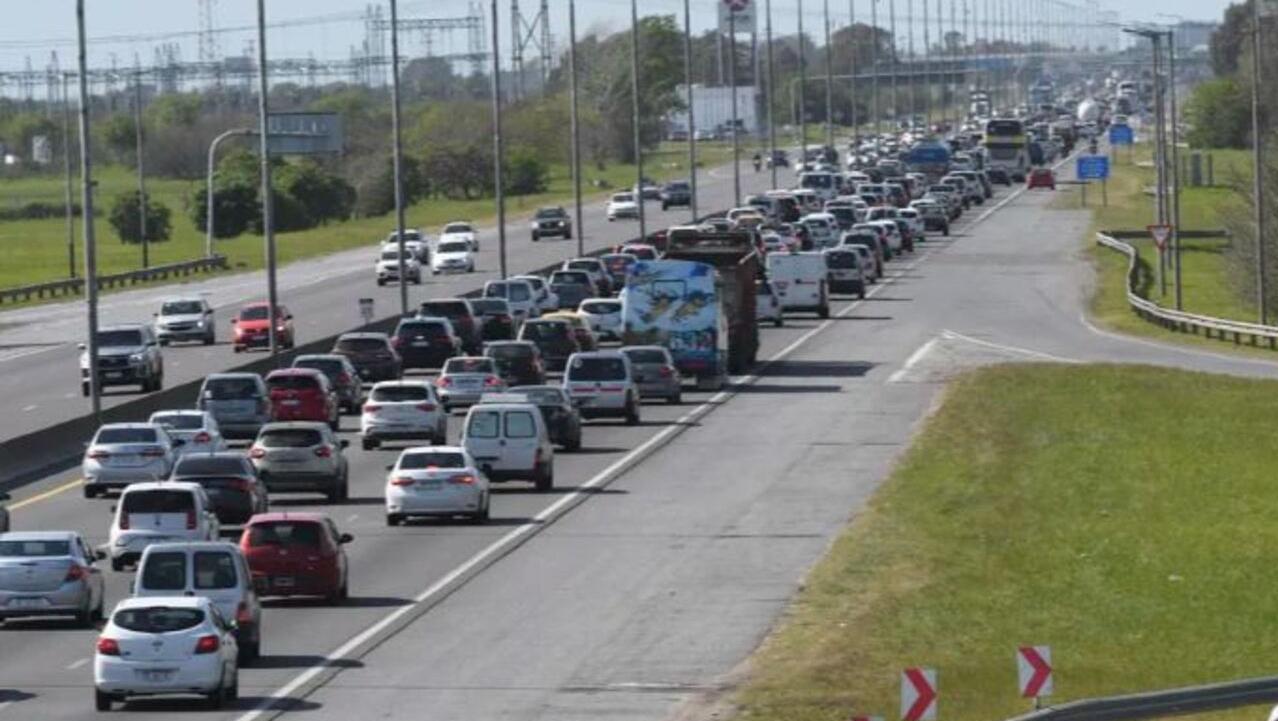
(296, 554)
(1041, 178)
(253, 324)
(302, 394)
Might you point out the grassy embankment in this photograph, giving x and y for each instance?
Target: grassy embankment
(1118, 514)
(35, 251)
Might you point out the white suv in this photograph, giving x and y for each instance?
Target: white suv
(602, 384)
(388, 267)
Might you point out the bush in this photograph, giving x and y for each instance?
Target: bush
(526, 174)
(38, 210)
(125, 219)
(235, 209)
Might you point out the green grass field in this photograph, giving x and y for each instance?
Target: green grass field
(1136, 541)
(36, 250)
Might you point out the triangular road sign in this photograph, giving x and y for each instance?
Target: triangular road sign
(1160, 234)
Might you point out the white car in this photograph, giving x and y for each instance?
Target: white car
(436, 481)
(387, 267)
(519, 295)
(622, 205)
(185, 319)
(164, 645)
(460, 230)
(822, 229)
(452, 256)
(510, 441)
(402, 410)
(125, 453)
(915, 220)
(802, 281)
(547, 299)
(198, 430)
(767, 304)
(602, 384)
(158, 512)
(416, 246)
(603, 315)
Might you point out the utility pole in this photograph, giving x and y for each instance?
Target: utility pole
(1257, 163)
(927, 67)
(909, 53)
(576, 127)
(803, 90)
(874, 65)
(499, 150)
(772, 84)
(634, 102)
(268, 200)
(896, 64)
(137, 126)
(1175, 164)
(829, 80)
(736, 131)
(397, 155)
(856, 121)
(70, 173)
(86, 205)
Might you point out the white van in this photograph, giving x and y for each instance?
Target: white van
(822, 229)
(824, 184)
(602, 383)
(800, 279)
(216, 570)
(519, 293)
(510, 442)
(150, 513)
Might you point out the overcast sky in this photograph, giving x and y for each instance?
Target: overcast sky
(126, 27)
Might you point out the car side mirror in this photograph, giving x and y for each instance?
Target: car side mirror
(4, 496)
(345, 538)
(234, 321)
(155, 315)
(113, 509)
(390, 467)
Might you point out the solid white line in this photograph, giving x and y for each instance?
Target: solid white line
(77, 664)
(4, 705)
(914, 358)
(23, 354)
(1009, 348)
(30, 408)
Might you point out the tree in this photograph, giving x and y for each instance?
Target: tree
(235, 208)
(1219, 114)
(119, 134)
(526, 174)
(1228, 40)
(124, 218)
(322, 195)
(176, 110)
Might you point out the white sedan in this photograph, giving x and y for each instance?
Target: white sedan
(162, 645)
(439, 481)
(622, 205)
(452, 256)
(460, 231)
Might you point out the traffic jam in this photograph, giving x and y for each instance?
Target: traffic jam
(465, 395)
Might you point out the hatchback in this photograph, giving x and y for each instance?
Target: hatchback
(581, 329)
(425, 342)
(554, 337)
(50, 573)
(341, 374)
(518, 362)
(602, 384)
(439, 481)
(844, 272)
(151, 513)
(253, 325)
(463, 380)
(198, 430)
(238, 401)
(403, 410)
(496, 321)
(230, 482)
(166, 645)
(655, 372)
(297, 554)
(299, 457)
(302, 394)
(372, 355)
(124, 453)
(571, 287)
(603, 315)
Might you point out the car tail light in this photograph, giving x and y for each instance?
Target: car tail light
(463, 480)
(425, 406)
(397, 341)
(243, 616)
(402, 481)
(124, 521)
(75, 572)
(99, 455)
(537, 461)
(108, 646)
(666, 371)
(202, 437)
(504, 319)
(492, 381)
(343, 378)
(444, 382)
(153, 453)
(190, 520)
(323, 452)
(207, 644)
(371, 408)
(257, 452)
(239, 484)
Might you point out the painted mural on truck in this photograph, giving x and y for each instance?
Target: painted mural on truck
(673, 303)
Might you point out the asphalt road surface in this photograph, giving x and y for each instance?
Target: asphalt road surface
(635, 589)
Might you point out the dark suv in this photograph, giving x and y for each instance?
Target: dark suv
(371, 354)
(425, 342)
(676, 194)
(342, 376)
(551, 222)
(459, 312)
(127, 355)
(554, 338)
(518, 362)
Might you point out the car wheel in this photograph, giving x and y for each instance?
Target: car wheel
(534, 237)
(546, 482)
(632, 414)
(84, 389)
(676, 399)
(217, 697)
(233, 691)
(946, 232)
(90, 492)
(394, 519)
(210, 339)
(237, 349)
(99, 612)
(84, 617)
(117, 565)
(824, 311)
(102, 701)
(250, 651)
(568, 235)
(369, 444)
(381, 282)
(778, 321)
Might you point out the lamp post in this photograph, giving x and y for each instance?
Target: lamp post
(1164, 213)
(499, 150)
(209, 207)
(634, 102)
(86, 205)
(576, 126)
(268, 202)
(772, 85)
(397, 157)
(1257, 158)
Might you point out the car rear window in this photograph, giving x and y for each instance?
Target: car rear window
(484, 424)
(215, 569)
(646, 355)
(421, 330)
(841, 260)
(445, 309)
(126, 435)
(431, 459)
(520, 424)
(545, 331)
(231, 389)
(583, 265)
(597, 369)
(360, 345)
(510, 351)
(164, 571)
(210, 466)
(400, 394)
(34, 548)
(328, 367)
(469, 365)
(487, 306)
(179, 421)
(286, 533)
(158, 619)
(290, 438)
(109, 338)
(158, 501)
(570, 276)
(292, 383)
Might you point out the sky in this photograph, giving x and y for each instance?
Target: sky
(335, 25)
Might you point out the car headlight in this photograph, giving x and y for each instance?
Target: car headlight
(137, 358)
(199, 323)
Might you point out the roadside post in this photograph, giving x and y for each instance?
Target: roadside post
(366, 310)
(1160, 234)
(866, 718)
(1034, 672)
(918, 694)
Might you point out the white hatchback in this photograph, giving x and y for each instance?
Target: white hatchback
(603, 315)
(460, 230)
(198, 430)
(164, 645)
(622, 205)
(402, 410)
(440, 481)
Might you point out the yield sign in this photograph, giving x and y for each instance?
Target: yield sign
(918, 694)
(1160, 234)
(1034, 670)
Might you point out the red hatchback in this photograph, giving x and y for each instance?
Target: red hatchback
(302, 394)
(253, 325)
(296, 554)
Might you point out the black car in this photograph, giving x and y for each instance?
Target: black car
(563, 420)
(549, 222)
(372, 355)
(676, 194)
(572, 287)
(554, 338)
(425, 342)
(229, 480)
(341, 375)
(496, 322)
(459, 312)
(518, 362)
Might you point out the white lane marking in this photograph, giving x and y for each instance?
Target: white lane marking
(15, 355)
(30, 408)
(1172, 348)
(77, 664)
(4, 705)
(351, 518)
(914, 358)
(1008, 348)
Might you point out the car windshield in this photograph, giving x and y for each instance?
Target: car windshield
(108, 338)
(292, 382)
(126, 435)
(215, 570)
(646, 355)
(394, 255)
(596, 369)
(520, 424)
(290, 438)
(255, 312)
(360, 345)
(678, 186)
(182, 307)
(551, 214)
(158, 619)
(623, 198)
(179, 421)
(421, 460)
(458, 228)
(305, 534)
(468, 365)
(400, 394)
(210, 466)
(484, 424)
(231, 389)
(459, 246)
(34, 548)
(158, 501)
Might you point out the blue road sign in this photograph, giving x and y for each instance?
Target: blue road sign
(1093, 167)
(1121, 135)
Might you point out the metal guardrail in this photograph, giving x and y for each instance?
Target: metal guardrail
(1209, 326)
(1172, 702)
(75, 286)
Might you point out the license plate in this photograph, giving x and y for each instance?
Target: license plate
(291, 403)
(114, 374)
(421, 344)
(28, 603)
(283, 582)
(430, 485)
(155, 675)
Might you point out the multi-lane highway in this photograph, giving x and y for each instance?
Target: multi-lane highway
(636, 589)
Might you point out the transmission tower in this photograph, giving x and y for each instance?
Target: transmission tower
(530, 33)
(208, 33)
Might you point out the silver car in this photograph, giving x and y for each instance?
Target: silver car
(185, 319)
(125, 453)
(301, 456)
(465, 379)
(655, 372)
(49, 573)
(238, 401)
(198, 430)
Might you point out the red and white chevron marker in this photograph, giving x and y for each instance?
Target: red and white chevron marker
(918, 694)
(1034, 669)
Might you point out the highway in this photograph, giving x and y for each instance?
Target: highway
(636, 589)
(39, 371)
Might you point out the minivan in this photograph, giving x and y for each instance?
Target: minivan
(510, 441)
(238, 401)
(150, 513)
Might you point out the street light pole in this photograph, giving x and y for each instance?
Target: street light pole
(634, 102)
(209, 206)
(1257, 160)
(268, 201)
(86, 205)
(856, 121)
(874, 70)
(397, 158)
(803, 90)
(772, 85)
(137, 126)
(576, 127)
(829, 80)
(1175, 163)
(499, 150)
(736, 131)
(67, 167)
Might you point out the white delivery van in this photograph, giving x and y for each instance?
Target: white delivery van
(801, 281)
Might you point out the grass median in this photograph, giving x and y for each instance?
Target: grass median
(1119, 514)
